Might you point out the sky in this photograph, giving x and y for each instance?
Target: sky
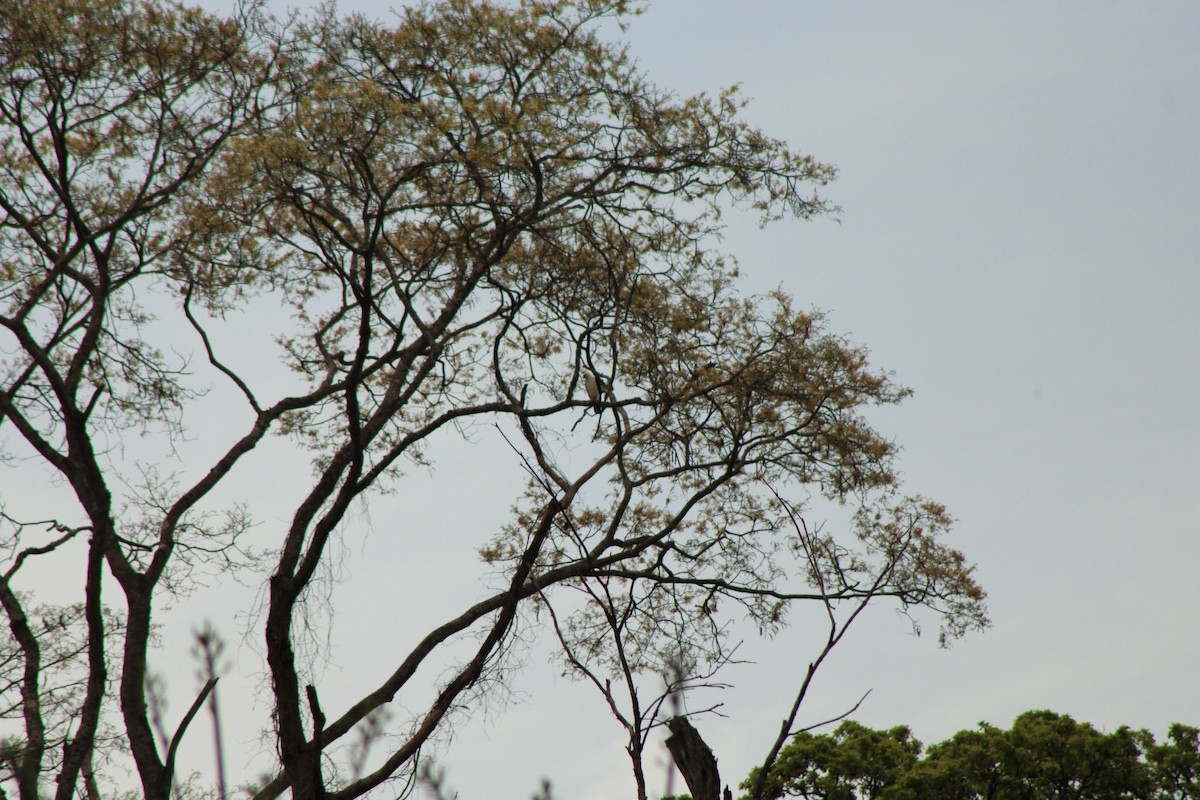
(1019, 242)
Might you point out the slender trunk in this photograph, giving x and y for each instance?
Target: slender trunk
(29, 765)
(156, 781)
(300, 758)
(76, 750)
(636, 749)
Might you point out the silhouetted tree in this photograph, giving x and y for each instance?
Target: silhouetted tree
(458, 214)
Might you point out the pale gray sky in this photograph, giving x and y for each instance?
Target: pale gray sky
(1020, 243)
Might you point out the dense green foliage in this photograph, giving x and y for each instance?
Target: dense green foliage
(1043, 756)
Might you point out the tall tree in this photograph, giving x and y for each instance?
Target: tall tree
(462, 212)
(109, 112)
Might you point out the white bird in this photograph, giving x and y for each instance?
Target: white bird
(592, 385)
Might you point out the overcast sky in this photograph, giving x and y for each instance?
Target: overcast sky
(1019, 242)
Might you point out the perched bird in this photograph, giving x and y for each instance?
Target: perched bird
(592, 384)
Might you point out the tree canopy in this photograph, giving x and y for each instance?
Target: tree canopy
(1043, 756)
(430, 225)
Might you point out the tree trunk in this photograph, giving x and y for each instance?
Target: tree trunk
(695, 760)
